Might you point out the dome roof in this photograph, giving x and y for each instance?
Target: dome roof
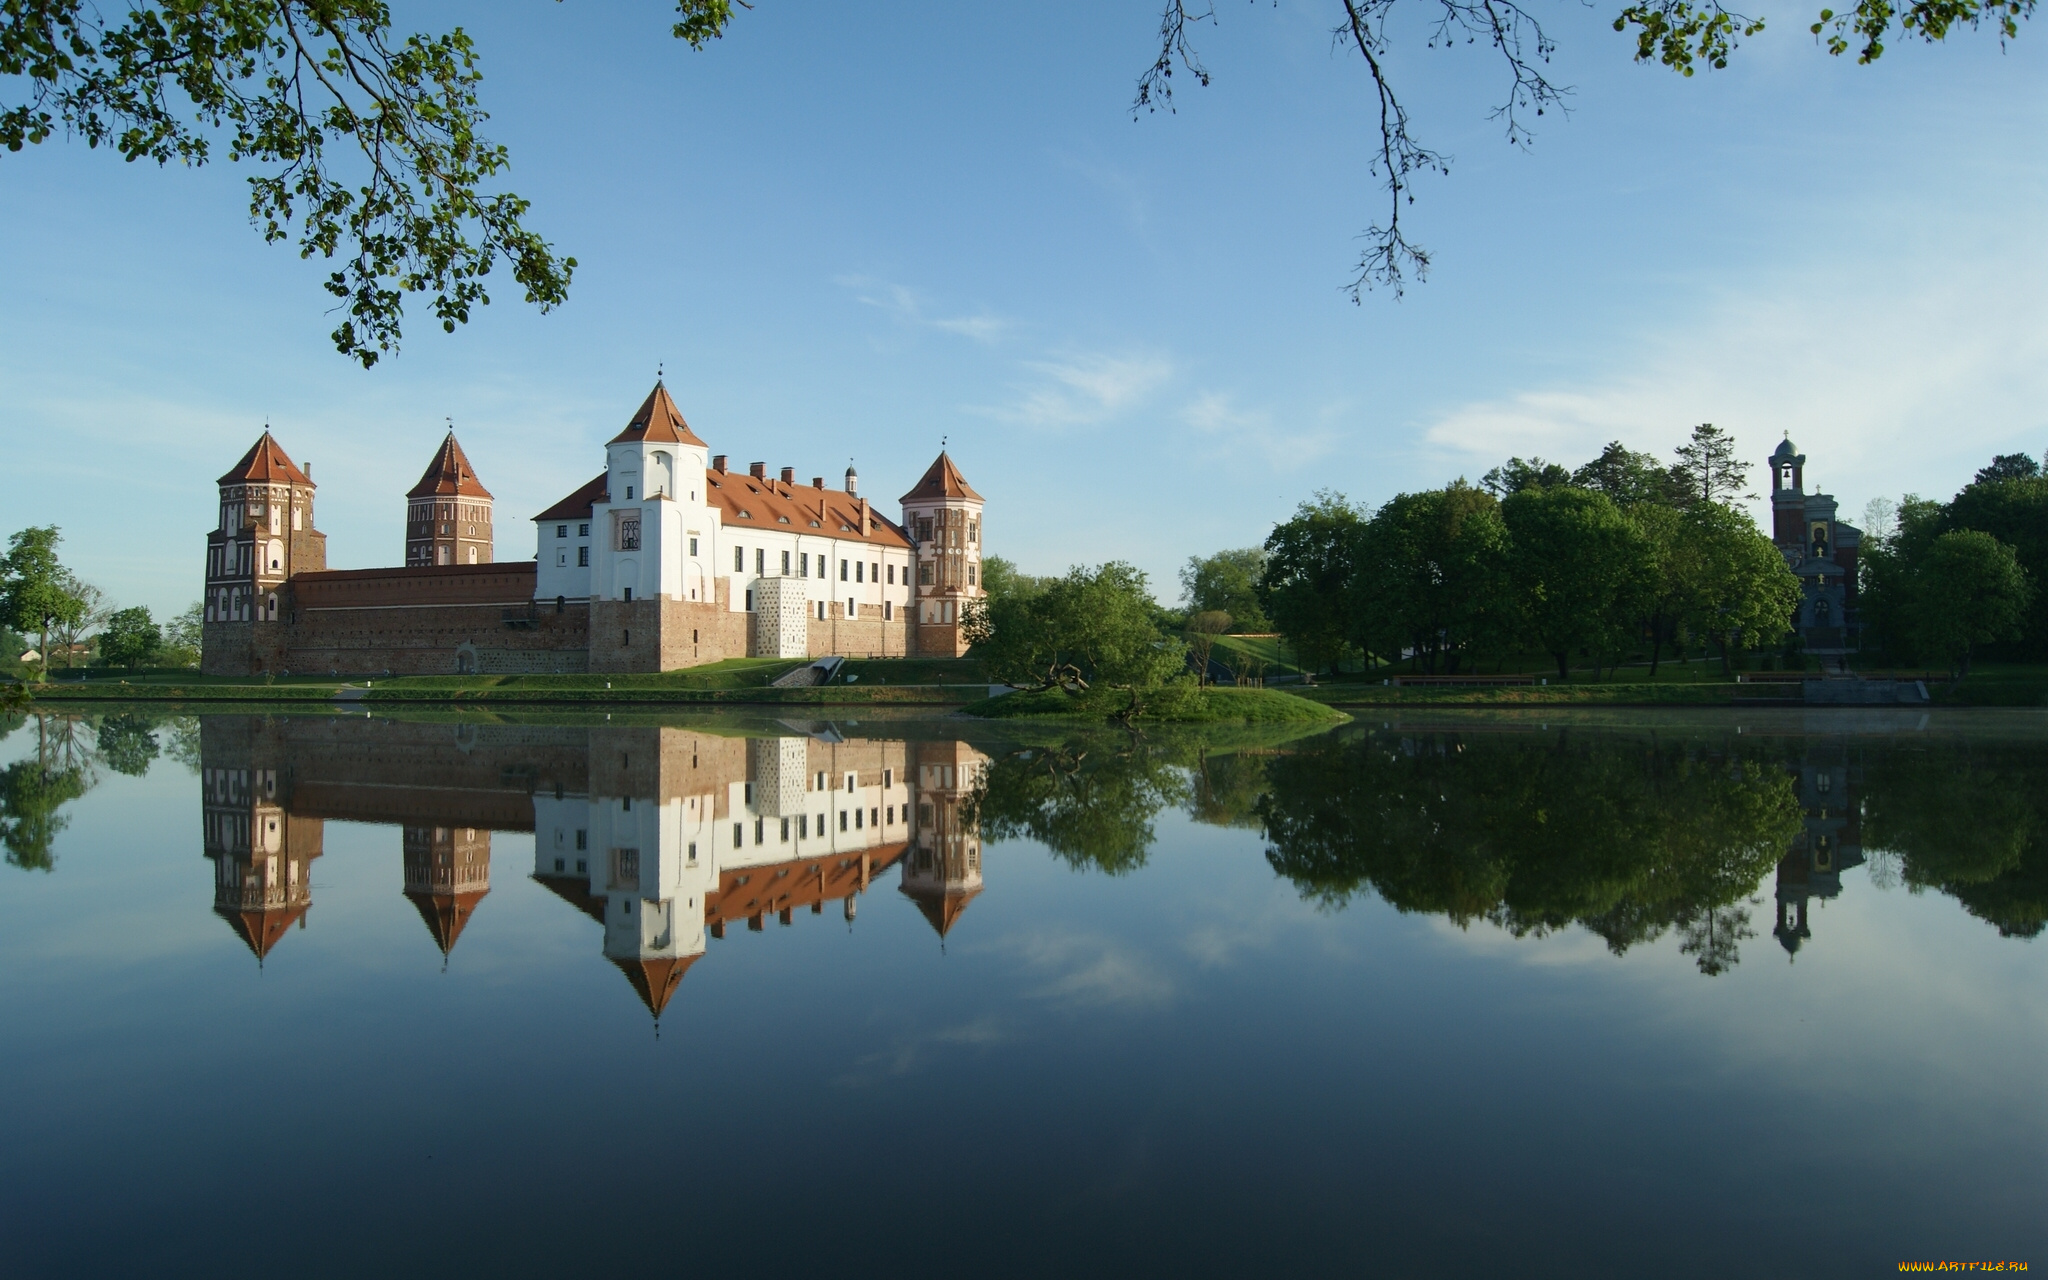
(1786, 449)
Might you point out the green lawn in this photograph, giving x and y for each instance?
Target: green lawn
(911, 671)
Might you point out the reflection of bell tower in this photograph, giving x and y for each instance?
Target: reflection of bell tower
(1830, 841)
(942, 870)
(262, 856)
(447, 872)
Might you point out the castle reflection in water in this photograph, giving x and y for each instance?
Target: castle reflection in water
(666, 837)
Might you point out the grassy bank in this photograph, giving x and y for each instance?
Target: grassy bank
(1210, 706)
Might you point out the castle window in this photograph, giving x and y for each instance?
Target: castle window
(850, 606)
(973, 530)
(874, 573)
(888, 611)
(821, 611)
(561, 531)
(970, 575)
(842, 570)
(629, 531)
(629, 493)
(583, 557)
(924, 529)
(739, 836)
(785, 564)
(562, 558)
(472, 556)
(582, 530)
(924, 574)
(739, 560)
(582, 842)
(693, 546)
(892, 575)
(760, 562)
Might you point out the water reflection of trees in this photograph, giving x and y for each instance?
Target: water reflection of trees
(1633, 838)
(1629, 839)
(1969, 820)
(69, 754)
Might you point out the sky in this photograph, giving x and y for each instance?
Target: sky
(854, 232)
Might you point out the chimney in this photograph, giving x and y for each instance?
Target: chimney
(867, 523)
(758, 470)
(718, 463)
(789, 475)
(817, 482)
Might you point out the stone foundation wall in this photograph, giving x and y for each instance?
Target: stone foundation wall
(865, 635)
(439, 640)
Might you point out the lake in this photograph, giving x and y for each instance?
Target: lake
(1630, 994)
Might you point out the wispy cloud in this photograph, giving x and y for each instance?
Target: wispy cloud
(910, 1052)
(1855, 375)
(1231, 427)
(1082, 969)
(1081, 390)
(914, 310)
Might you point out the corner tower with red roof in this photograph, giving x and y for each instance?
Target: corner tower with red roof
(264, 535)
(943, 516)
(448, 513)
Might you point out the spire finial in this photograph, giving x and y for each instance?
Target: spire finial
(659, 366)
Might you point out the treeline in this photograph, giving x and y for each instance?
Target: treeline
(49, 611)
(1943, 579)
(1622, 555)
(71, 753)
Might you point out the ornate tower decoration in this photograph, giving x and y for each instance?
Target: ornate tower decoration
(942, 868)
(262, 856)
(448, 513)
(264, 535)
(447, 872)
(943, 517)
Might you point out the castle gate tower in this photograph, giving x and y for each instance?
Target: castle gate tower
(942, 514)
(448, 513)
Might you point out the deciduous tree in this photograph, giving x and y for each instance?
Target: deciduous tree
(1578, 570)
(1307, 585)
(36, 590)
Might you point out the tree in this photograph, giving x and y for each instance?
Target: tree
(72, 630)
(1628, 478)
(1970, 591)
(183, 637)
(35, 590)
(2009, 466)
(1578, 568)
(1306, 587)
(1092, 629)
(1426, 576)
(1227, 581)
(2014, 511)
(1515, 475)
(1000, 578)
(1733, 585)
(1663, 530)
(1889, 567)
(403, 209)
(1091, 802)
(131, 638)
(1708, 468)
(1202, 630)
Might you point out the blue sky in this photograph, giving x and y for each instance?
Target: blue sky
(854, 230)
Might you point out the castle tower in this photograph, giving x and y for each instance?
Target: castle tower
(264, 535)
(650, 532)
(1788, 493)
(942, 868)
(448, 513)
(262, 856)
(943, 517)
(447, 872)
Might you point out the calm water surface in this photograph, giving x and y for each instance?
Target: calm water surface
(1629, 996)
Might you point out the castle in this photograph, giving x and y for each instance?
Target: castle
(666, 837)
(630, 572)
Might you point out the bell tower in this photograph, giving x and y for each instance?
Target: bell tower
(448, 513)
(942, 515)
(1788, 494)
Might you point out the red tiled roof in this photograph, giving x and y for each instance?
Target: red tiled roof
(266, 462)
(449, 473)
(656, 979)
(261, 929)
(445, 914)
(942, 480)
(747, 503)
(577, 505)
(658, 420)
(942, 910)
